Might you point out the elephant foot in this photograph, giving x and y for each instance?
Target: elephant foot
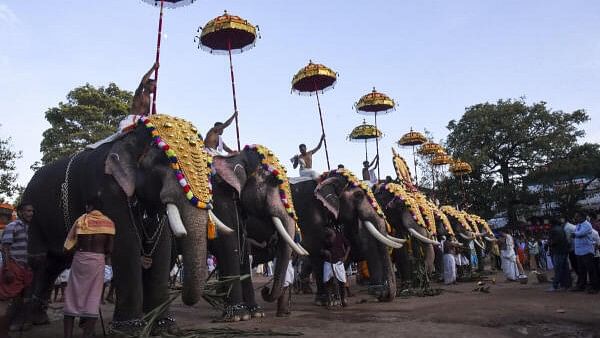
(39, 316)
(256, 311)
(166, 325)
(321, 300)
(127, 328)
(236, 313)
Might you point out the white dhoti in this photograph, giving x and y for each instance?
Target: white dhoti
(336, 270)
(289, 275)
(509, 264)
(308, 173)
(449, 269)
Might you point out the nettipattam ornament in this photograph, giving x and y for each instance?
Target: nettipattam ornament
(191, 164)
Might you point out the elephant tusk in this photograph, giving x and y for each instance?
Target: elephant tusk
(422, 238)
(286, 237)
(175, 221)
(465, 236)
(395, 239)
(378, 236)
(220, 225)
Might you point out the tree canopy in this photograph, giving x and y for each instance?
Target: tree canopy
(507, 140)
(89, 115)
(8, 175)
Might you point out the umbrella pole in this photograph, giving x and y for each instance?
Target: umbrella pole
(157, 57)
(235, 110)
(366, 152)
(415, 161)
(322, 127)
(377, 146)
(433, 181)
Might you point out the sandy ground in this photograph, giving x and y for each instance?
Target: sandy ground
(508, 310)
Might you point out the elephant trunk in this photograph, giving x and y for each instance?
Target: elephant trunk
(194, 253)
(381, 263)
(284, 250)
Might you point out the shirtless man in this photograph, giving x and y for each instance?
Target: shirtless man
(214, 140)
(304, 159)
(92, 238)
(141, 99)
(368, 170)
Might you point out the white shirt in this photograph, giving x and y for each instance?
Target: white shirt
(569, 230)
(596, 239)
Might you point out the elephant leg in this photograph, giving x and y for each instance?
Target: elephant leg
(127, 277)
(227, 251)
(46, 269)
(321, 297)
(403, 266)
(156, 284)
(248, 290)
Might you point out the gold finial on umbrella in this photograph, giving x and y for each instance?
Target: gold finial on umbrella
(375, 103)
(315, 78)
(227, 34)
(412, 139)
(364, 133)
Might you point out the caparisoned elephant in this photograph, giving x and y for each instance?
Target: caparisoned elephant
(134, 172)
(403, 213)
(252, 184)
(339, 198)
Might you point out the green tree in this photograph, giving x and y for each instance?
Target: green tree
(8, 167)
(508, 139)
(89, 115)
(565, 179)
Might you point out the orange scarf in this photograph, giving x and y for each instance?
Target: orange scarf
(91, 223)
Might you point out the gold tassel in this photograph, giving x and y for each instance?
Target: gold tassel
(211, 229)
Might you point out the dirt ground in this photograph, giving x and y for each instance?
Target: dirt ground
(509, 310)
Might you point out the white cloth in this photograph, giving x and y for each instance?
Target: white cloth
(289, 275)
(569, 230)
(63, 277)
(336, 270)
(449, 269)
(308, 173)
(295, 180)
(108, 273)
(372, 177)
(509, 259)
(127, 124)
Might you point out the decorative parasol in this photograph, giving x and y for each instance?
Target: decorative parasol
(412, 139)
(441, 158)
(375, 103)
(228, 34)
(168, 4)
(429, 148)
(460, 168)
(315, 78)
(364, 133)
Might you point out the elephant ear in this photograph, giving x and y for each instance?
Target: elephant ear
(231, 170)
(328, 192)
(121, 165)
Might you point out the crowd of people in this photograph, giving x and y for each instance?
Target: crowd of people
(570, 247)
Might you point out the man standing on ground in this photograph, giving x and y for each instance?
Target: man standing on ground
(559, 249)
(304, 159)
(569, 229)
(92, 237)
(14, 247)
(584, 250)
(214, 139)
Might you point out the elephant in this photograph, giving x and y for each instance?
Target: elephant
(338, 198)
(131, 176)
(403, 213)
(257, 195)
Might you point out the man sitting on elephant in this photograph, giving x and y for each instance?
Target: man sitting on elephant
(337, 249)
(214, 140)
(141, 98)
(92, 237)
(304, 159)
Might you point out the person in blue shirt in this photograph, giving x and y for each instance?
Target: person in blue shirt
(584, 250)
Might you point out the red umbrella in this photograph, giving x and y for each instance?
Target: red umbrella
(168, 4)
(227, 34)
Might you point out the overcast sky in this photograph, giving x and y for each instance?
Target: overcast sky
(433, 57)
